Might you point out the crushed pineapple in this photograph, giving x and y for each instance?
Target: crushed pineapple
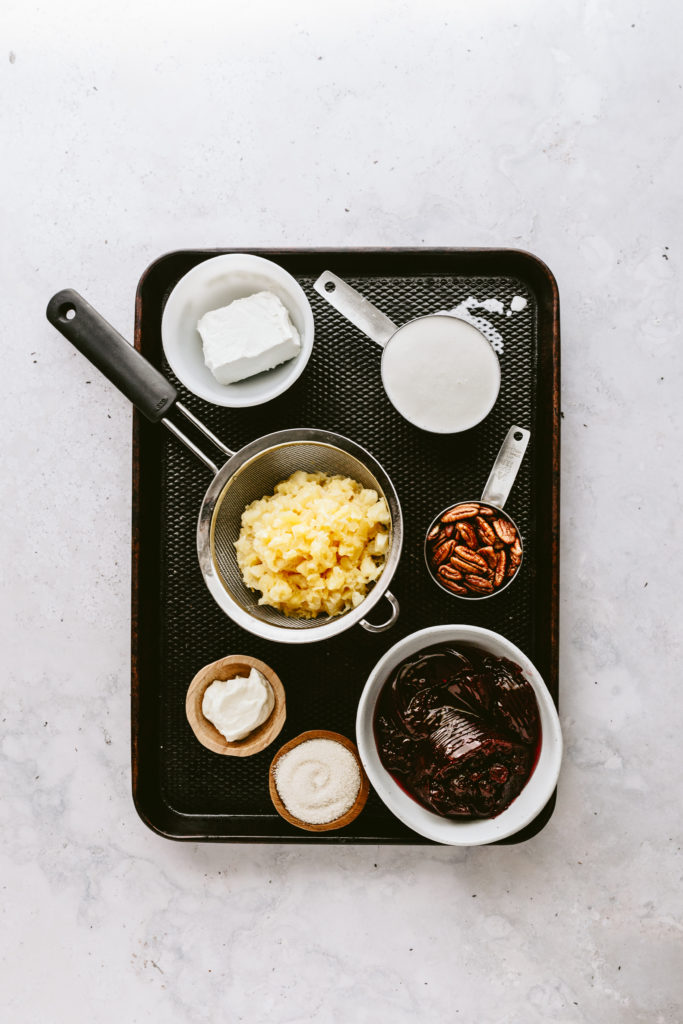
(315, 545)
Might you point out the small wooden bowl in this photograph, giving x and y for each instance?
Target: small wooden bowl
(356, 807)
(207, 734)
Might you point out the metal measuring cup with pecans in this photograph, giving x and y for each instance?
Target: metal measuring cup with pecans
(473, 549)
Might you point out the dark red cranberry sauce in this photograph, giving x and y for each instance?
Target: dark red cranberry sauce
(459, 730)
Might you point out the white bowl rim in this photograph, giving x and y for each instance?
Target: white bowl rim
(430, 825)
(237, 261)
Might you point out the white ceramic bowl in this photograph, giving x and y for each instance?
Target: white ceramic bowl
(215, 283)
(452, 832)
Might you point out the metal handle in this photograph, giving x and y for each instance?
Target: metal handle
(125, 367)
(505, 468)
(99, 342)
(351, 304)
(195, 449)
(395, 609)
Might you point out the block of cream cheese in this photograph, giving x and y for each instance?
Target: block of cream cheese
(247, 337)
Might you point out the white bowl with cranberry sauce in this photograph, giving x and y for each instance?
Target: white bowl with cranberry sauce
(458, 831)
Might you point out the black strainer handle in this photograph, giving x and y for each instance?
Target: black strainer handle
(99, 342)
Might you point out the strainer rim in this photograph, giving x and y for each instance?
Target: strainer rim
(211, 502)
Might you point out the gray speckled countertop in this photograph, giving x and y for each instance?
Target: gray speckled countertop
(130, 131)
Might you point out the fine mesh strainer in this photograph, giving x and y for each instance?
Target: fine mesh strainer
(250, 473)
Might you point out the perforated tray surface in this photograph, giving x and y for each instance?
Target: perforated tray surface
(183, 790)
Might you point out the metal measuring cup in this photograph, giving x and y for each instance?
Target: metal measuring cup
(469, 548)
(470, 388)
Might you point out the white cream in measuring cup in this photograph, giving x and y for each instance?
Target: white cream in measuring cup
(439, 372)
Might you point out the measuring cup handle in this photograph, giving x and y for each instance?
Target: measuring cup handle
(352, 305)
(106, 349)
(505, 468)
(395, 609)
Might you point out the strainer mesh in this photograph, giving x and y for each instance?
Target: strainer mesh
(256, 479)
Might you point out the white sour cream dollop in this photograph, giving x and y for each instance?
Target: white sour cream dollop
(238, 706)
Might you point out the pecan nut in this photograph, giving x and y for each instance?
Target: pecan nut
(442, 552)
(467, 534)
(456, 588)
(514, 561)
(471, 558)
(485, 531)
(460, 512)
(449, 572)
(490, 555)
(500, 569)
(461, 565)
(451, 579)
(478, 584)
(505, 531)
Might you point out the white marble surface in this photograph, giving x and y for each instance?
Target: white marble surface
(132, 129)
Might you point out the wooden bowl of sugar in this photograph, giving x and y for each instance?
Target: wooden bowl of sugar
(207, 733)
(355, 786)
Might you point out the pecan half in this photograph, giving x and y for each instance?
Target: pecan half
(460, 512)
(477, 583)
(490, 555)
(514, 560)
(471, 558)
(505, 530)
(448, 572)
(456, 588)
(499, 571)
(467, 534)
(451, 579)
(485, 531)
(442, 552)
(434, 532)
(463, 566)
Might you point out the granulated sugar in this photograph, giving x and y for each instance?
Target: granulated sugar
(318, 781)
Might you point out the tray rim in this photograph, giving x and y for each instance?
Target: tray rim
(538, 269)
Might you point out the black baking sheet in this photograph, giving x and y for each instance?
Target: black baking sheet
(184, 791)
